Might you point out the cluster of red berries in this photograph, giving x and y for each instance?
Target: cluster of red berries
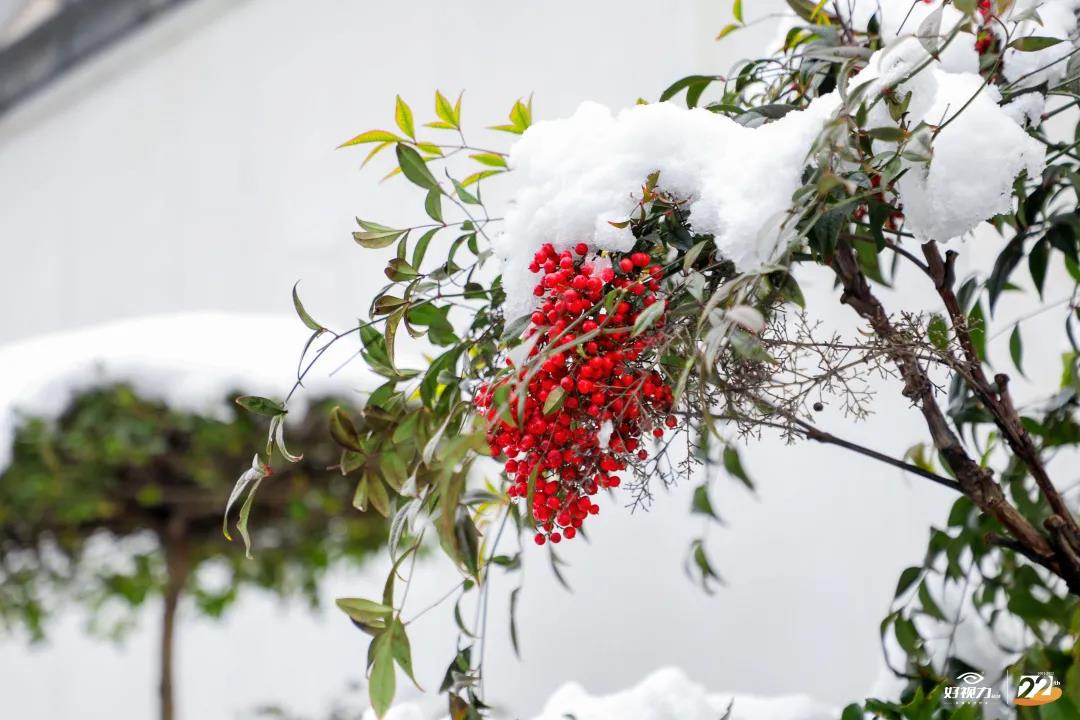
(592, 376)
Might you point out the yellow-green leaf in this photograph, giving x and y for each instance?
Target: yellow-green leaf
(376, 150)
(445, 110)
(490, 159)
(727, 30)
(478, 176)
(521, 115)
(371, 136)
(404, 118)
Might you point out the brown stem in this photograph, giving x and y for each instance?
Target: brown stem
(975, 481)
(994, 396)
(177, 568)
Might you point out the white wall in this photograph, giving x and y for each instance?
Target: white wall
(193, 168)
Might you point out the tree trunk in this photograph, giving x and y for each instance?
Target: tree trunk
(177, 569)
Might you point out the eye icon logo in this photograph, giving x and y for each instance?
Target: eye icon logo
(971, 688)
(1037, 689)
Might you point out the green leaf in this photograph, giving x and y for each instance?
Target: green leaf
(1016, 349)
(260, 405)
(807, 10)
(381, 680)
(371, 136)
(404, 118)
(399, 642)
(694, 85)
(398, 270)
(701, 504)
(938, 332)
(1032, 43)
(700, 560)
(514, 328)
(464, 195)
(421, 248)
(1038, 259)
(736, 10)
(791, 292)
(554, 400)
(415, 169)
(433, 205)
(734, 467)
(1073, 268)
(376, 236)
(513, 621)
(693, 253)
(907, 579)
(304, 316)
(647, 318)
(450, 492)
(887, 133)
(364, 611)
(360, 497)
(378, 497)
(343, 431)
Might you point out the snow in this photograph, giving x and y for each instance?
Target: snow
(579, 174)
(1026, 109)
(976, 157)
(667, 694)
(191, 362)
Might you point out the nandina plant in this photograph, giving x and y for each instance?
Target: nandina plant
(630, 321)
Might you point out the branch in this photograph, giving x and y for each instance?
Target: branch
(994, 396)
(813, 433)
(975, 481)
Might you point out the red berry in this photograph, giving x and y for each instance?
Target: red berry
(581, 248)
(539, 539)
